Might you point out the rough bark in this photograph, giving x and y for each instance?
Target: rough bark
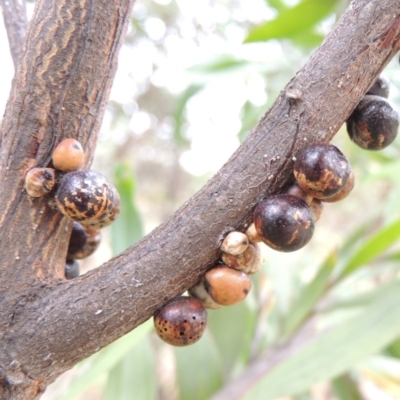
(60, 90)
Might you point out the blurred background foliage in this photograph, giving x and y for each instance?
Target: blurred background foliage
(194, 77)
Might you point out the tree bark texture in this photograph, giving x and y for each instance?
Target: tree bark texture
(60, 90)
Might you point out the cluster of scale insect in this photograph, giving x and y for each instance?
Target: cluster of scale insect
(323, 174)
(183, 320)
(284, 222)
(84, 196)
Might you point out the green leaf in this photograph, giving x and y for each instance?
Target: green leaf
(250, 115)
(199, 369)
(303, 396)
(178, 113)
(308, 39)
(127, 228)
(346, 389)
(360, 300)
(101, 363)
(292, 21)
(333, 352)
(372, 248)
(279, 5)
(387, 171)
(232, 338)
(394, 348)
(223, 63)
(384, 371)
(134, 376)
(309, 297)
(392, 257)
(357, 235)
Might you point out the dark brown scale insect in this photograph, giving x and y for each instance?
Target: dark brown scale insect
(321, 170)
(344, 192)
(87, 197)
(83, 241)
(284, 222)
(316, 207)
(380, 87)
(71, 270)
(181, 321)
(296, 190)
(374, 123)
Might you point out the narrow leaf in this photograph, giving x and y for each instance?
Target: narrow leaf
(250, 115)
(199, 369)
(358, 234)
(346, 389)
(308, 39)
(232, 339)
(372, 248)
(221, 65)
(357, 301)
(127, 228)
(292, 21)
(279, 5)
(134, 376)
(178, 113)
(384, 372)
(309, 296)
(334, 352)
(101, 363)
(394, 349)
(303, 396)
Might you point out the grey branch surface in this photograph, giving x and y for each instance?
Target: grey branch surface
(16, 23)
(50, 324)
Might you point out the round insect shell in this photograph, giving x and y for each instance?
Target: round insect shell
(252, 234)
(284, 222)
(380, 87)
(321, 170)
(374, 123)
(227, 286)
(235, 243)
(296, 190)
(249, 262)
(344, 192)
(257, 262)
(316, 207)
(87, 197)
(240, 260)
(83, 241)
(71, 270)
(39, 181)
(181, 321)
(68, 155)
(199, 292)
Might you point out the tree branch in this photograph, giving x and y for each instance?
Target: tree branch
(16, 22)
(60, 90)
(53, 324)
